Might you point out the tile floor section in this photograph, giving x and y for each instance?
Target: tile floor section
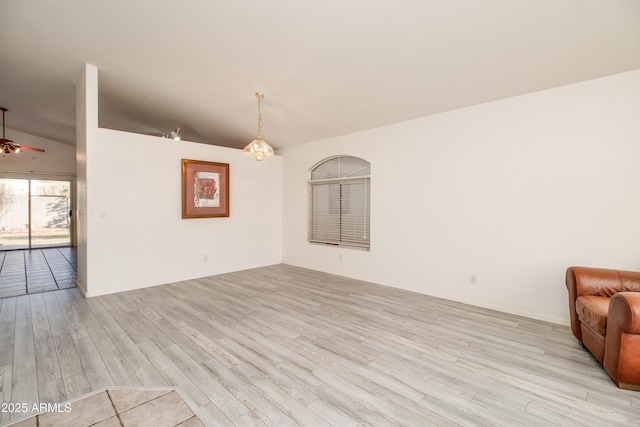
(119, 408)
(37, 270)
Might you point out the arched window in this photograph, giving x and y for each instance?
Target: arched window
(338, 193)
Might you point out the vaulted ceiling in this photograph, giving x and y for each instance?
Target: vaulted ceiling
(327, 68)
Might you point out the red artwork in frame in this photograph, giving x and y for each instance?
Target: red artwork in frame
(205, 189)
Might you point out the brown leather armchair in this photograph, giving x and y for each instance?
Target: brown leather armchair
(604, 306)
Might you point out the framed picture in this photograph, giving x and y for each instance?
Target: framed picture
(205, 189)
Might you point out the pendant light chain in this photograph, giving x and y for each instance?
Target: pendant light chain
(259, 95)
(258, 148)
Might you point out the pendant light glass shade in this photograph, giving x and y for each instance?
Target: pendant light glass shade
(258, 148)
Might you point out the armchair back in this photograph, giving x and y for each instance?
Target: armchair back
(599, 282)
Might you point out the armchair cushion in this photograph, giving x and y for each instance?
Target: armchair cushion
(593, 310)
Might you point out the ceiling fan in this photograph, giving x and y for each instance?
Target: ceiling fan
(174, 134)
(7, 146)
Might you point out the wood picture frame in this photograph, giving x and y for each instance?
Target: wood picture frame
(205, 189)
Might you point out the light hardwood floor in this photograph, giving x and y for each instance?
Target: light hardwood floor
(282, 345)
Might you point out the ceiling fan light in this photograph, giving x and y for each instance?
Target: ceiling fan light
(7, 146)
(174, 134)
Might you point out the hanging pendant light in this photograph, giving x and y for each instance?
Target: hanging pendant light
(258, 148)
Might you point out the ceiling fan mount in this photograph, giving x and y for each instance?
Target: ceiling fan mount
(7, 146)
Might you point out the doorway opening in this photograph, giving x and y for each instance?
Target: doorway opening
(34, 213)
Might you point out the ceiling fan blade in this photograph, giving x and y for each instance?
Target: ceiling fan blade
(24, 147)
(8, 146)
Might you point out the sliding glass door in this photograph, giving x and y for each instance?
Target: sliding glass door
(34, 213)
(14, 214)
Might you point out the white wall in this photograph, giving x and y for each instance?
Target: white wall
(136, 236)
(86, 128)
(59, 159)
(513, 191)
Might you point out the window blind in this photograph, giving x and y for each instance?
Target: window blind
(339, 211)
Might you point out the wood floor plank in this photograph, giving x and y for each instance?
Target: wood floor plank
(145, 372)
(287, 404)
(211, 415)
(339, 399)
(602, 400)
(148, 331)
(378, 411)
(7, 342)
(7, 330)
(122, 302)
(23, 312)
(50, 384)
(75, 380)
(119, 368)
(6, 379)
(259, 409)
(97, 372)
(259, 359)
(228, 404)
(239, 381)
(67, 312)
(208, 342)
(171, 373)
(60, 350)
(141, 307)
(159, 299)
(24, 387)
(282, 345)
(331, 414)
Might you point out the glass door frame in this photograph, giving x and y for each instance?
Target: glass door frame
(72, 196)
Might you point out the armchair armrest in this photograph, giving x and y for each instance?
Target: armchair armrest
(624, 313)
(622, 348)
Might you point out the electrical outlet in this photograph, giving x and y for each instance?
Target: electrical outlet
(473, 279)
(205, 258)
(339, 257)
